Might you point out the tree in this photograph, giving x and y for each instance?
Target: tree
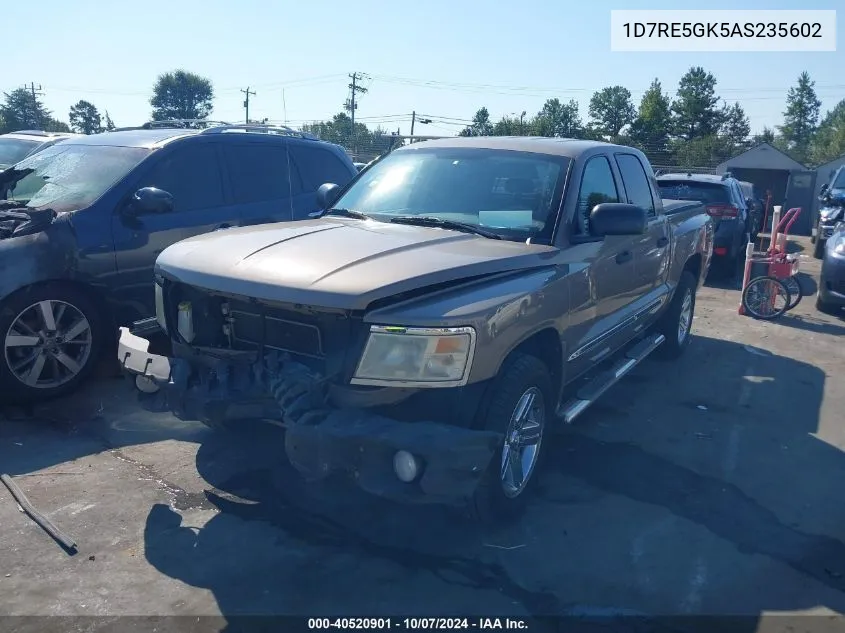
(611, 110)
(800, 117)
(694, 111)
(558, 119)
(22, 110)
(181, 95)
(767, 135)
(85, 119)
(480, 126)
(829, 141)
(54, 125)
(735, 128)
(109, 124)
(650, 130)
(367, 143)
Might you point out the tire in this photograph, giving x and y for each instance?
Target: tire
(761, 288)
(818, 248)
(826, 307)
(676, 322)
(497, 499)
(796, 292)
(70, 330)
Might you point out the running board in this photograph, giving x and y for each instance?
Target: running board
(593, 390)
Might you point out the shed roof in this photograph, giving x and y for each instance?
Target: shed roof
(762, 156)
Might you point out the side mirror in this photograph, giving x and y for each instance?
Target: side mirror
(150, 200)
(823, 189)
(616, 218)
(327, 195)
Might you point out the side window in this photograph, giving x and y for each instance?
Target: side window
(636, 182)
(597, 186)
(258, 172)
(191, 174)
(318, 166)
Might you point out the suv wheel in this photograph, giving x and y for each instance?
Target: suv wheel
(51, 341)
(520, 407)
(818, 248)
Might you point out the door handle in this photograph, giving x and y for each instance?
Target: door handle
(663, 241)
(624, 256)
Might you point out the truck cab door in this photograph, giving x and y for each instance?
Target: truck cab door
(192, 175)
(652, 250)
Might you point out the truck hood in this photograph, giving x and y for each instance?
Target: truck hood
(340, 263)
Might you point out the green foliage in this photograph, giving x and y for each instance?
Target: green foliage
(54, 125)
(829, 141)
(365, 143)
(181, 95)
(800, 118)
(559, 119)
(22, 110)
(766, 136)
(109, 124)
(735, 129)
(85, 119)
(611, 109)
(481, 125)
(650, 129)
(694, 111)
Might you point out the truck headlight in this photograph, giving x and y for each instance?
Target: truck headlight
(160, 307)
(419, 357)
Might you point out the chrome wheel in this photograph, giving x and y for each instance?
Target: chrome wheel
(48, 344)
(522, 442)
(685, 318)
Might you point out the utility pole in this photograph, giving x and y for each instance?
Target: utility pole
(247, 92)
(36, 92)
(351, 104)
(414, 120)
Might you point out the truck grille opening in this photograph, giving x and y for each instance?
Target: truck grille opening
(277, 333)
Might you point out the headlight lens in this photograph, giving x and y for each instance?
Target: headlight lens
(839, 244)
(829, 213)
(396, 356)
(160, 307)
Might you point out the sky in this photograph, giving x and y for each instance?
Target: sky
(442, 59)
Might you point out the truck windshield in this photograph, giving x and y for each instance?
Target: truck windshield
(515, 195)
(69, 177)
(706, 192)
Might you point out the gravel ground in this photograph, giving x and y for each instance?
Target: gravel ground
(707, 486)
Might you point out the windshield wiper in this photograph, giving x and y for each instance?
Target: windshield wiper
(427, 220)
(346, 213)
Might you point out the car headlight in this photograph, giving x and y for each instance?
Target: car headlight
(160, 307)
(828, 214)
(420, 357)
(839, 244)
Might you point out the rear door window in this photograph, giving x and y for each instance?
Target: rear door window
(706, 192)
(635, 181)
(318, 165)
(258, 172)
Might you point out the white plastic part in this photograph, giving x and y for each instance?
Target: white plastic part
(406, 466)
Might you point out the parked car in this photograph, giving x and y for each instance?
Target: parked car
(82, 222)
(831, 210)
(734, 222)
(16, 146)
(369, 332)
(831, 295)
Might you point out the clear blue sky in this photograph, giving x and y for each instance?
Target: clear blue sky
(439, 58)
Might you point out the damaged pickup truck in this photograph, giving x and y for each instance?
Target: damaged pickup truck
(422, 331)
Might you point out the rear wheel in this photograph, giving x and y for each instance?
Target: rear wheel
(766, 298)
(796, 292)
(521, 404)
(52, 339)
(676, 322)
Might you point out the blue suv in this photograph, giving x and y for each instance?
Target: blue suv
(82, 222)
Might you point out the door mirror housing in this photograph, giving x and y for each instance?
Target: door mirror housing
(616, 218)
(327, 195)
(823, 192)
(149, 200)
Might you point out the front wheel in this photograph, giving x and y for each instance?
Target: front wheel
(520, 406)
(826, 307)
(766, 298)
(52, 337)
(818, 248)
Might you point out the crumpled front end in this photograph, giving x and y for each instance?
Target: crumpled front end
(417, 462)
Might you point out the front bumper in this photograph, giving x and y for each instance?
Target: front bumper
(832, 280)
(826, 230)
(319, 439)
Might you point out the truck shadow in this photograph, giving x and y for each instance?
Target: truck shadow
(660, 445)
